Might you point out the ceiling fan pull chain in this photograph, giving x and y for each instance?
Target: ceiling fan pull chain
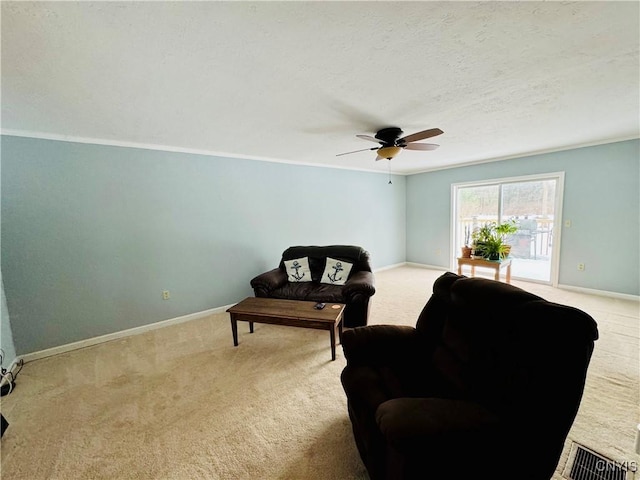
(389, 160)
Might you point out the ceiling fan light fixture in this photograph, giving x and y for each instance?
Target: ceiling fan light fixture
(388, 152)
(391, 143)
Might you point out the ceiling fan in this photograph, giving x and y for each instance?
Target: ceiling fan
(391, 143)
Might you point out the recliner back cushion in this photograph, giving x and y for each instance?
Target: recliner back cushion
(499, 344)
(435, 312)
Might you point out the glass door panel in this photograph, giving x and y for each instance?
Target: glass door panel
(532, 205)
(476, 206)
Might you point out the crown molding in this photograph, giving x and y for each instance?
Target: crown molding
(529, 154)
(170, 148)
(212, 153)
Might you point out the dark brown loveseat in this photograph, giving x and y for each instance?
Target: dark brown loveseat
(356, 292)
(486, 385)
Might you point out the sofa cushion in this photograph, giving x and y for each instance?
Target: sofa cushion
(298, 270)
(336, 272)
(309, 291)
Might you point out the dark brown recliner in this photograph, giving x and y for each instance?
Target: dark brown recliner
(355, 293)
(487, 385)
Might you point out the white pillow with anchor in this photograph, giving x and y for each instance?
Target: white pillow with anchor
(336, 272)
(298, 270)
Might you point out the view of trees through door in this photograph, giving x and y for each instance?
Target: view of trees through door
(531, 203)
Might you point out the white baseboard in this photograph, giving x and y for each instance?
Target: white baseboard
(389, 267)
(590, 291)
(602, 293)
(412, 264)
(429, 267)
(29, 357)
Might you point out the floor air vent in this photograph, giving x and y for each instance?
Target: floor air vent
(585, 464)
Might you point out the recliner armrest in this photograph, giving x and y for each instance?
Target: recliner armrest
(361, 282)
(377, 345)
(264, 283)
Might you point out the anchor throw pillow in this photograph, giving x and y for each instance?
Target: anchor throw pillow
(336, 272)
(298, 270)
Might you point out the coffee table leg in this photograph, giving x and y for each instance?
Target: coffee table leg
(250, 327)
(339, 327)
(234, 330)
(333, 343)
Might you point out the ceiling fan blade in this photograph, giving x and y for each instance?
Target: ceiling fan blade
(356, 151)
(380, 158)
(414, 137)
(370, 138)
(421, 146)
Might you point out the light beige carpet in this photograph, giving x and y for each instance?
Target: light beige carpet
(183, 403)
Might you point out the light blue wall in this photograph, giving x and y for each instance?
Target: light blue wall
(601, 198)
(91, 234)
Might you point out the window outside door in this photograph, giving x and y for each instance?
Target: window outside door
(533, 202)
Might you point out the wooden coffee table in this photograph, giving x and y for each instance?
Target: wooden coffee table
(292, 313)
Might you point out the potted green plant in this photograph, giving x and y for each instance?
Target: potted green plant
(489, 240)
(481, 238)
(503, 230)
(494, 249)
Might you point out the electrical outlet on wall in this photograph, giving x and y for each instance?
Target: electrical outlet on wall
(165, 295)
(581, 267)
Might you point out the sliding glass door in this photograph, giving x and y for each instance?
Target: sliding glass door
(533, 202)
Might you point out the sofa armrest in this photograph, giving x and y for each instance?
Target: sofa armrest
(264, 283)
(429, 424)
(360, 283)
(379, 345)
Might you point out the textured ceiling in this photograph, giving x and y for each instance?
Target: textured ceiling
(296, 81)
